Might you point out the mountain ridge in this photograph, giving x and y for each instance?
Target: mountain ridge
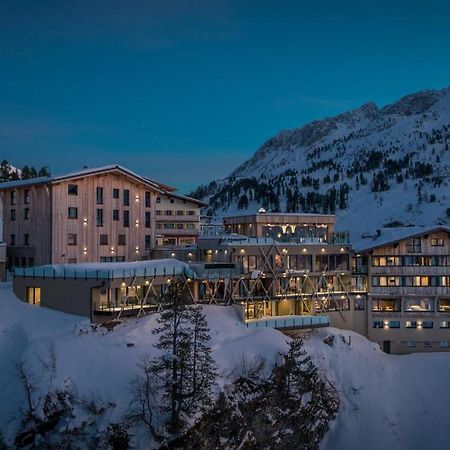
(368, 156)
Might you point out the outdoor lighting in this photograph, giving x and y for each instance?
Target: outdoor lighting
(226, 251)
(284, 250)
(342, 249)
(172, 254)
(242, 250)
(419, 324)
(386, 324)
(112, 249)
(168, 280)
(85, 250)
(137, 222)
(85, 221)
(304, 250)
(322, 249)
(190, 255)
(123, 284)
(137, 198)
(147, 282)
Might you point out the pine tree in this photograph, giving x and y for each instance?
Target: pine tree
(5, 171)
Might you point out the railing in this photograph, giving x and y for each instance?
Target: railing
(292, 322)
(75, 273)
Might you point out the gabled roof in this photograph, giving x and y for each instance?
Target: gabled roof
(389, 236)
(160, 187)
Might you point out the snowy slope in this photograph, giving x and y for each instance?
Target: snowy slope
(399, 140)
(388, 401)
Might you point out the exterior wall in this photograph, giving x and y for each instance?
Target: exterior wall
(38, 226)
(177, 221)
(69, 296)
(254, 225)
(88, 248)
(354, 320)
(398, 295)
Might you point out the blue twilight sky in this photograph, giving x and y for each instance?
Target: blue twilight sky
(184, 91)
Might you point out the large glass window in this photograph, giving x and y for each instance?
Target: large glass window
(411, 324)
(72, 189)
(126, 197)
(437, 242)
(72, 212)
(34, 295)
(444, 304)
(385, 281)
(359, 284)
(427, 324)
(378, 324)
(419, 305)
(413, 245)
(386, 305)
(99, 196)
(126, 219)
(26, 196)
(99, 219)
(71, 239)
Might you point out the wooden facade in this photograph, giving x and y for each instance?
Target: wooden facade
(95, 215)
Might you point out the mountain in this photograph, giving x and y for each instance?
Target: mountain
(372, 167)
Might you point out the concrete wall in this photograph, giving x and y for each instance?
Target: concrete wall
(69, 296)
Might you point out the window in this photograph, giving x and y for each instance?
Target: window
(437, 242)
(386, 305)
(115, 214)
(26, 240)
(417, 281)
(13, 198)
(172, 200)
(169, 241)
(411, 344)
(72, 189)
(147, 219)
(411, 324)
(34, 295)
(26, 214)
(71, 239)
(444, 304)
(444, 324)
(427, 324)
(112, 258)
(413, 245)
(13, 214)
(393, 324)
(27, 197)
(72, 212)
(158, 199)
(180, 213)
(115, 193)
(71, 260)
(191, 213)
(126, 219)
(12, 239)
(168, 212)
(99, 219)
(443, 344)
(419, 305)
(180, 226)
(378, 324)
(103, 239)
(99, 196)
(385, 281)
(148, 201)
(126, 197)
(169, 226)
(121, 239)
(386, 261)
(158, 212)
(428, 344)
(148, 243)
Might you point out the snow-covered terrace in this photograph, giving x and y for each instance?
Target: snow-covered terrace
(110, 271)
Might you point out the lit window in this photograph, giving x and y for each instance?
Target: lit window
(34, 295)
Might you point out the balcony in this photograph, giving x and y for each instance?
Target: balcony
(176, 218)
(289, 322)
(176, 232)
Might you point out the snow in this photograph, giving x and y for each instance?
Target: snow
(155, 267)
(400, 129)
(387, 401)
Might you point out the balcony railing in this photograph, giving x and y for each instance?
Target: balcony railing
(289, 322)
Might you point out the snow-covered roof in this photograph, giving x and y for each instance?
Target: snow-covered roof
(160, 187)
(388, 236)
(23, 183)
(113, 270)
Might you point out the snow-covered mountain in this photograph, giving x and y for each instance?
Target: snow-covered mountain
(371, 166)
